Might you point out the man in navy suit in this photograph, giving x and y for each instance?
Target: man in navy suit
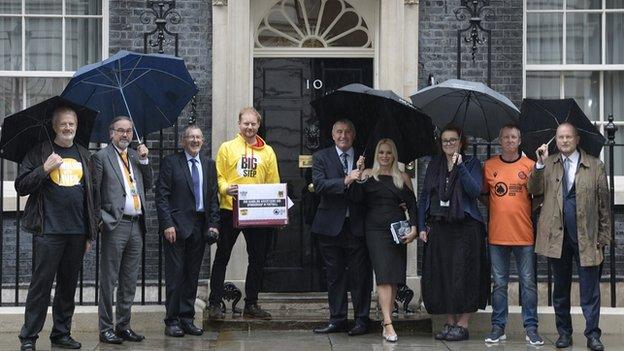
(187, 202)
(339, 225)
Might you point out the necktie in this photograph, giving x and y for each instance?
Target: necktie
(345, 162)
(196, 185)
(569, 178)
(126, 171)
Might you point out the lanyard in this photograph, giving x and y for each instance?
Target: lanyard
(126, 165)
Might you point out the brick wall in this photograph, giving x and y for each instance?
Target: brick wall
(126, 33)
(438, 46)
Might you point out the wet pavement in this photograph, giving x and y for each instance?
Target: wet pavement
(270, 340)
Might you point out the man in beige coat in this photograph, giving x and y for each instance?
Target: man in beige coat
(574, 226)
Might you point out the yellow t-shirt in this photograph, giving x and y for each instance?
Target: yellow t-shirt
(510, 203)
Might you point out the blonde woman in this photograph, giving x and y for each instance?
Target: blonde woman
(387, 193)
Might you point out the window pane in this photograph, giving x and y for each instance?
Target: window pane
(584, 88)
(83, 42)
(44, 6)
(615, 39)
(615, 4)
(583, 4)
(83, 7)
(542, 85)
(43, 44)
(544, 4)
(11, 6)
(10, 102)
(544, 38)
(583, 38)
(40, 89)
(614, 95)
(10, 43)
(10, 96)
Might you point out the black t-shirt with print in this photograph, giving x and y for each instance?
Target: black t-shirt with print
(63, 195)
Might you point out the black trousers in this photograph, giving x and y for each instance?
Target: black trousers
(348, 269)
(55, 255)
(589, 286)
(258, 241)
(183, 261)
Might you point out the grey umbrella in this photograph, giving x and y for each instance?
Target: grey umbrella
(475, 107)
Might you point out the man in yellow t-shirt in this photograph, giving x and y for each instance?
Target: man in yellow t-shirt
(246, 159)
(510, 229)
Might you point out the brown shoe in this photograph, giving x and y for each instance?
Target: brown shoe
(215, 312)
(254, 311)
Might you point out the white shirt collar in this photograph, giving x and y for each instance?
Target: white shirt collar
(349, 152)
(574, 157)
(189, 157)
(118, 149)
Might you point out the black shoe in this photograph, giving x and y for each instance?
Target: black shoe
(563, 341)
(65, 342)
(215, 312)
(457, 333)
(191, 329)
(594, 344)
(332, 328)
(359, 329)
(174, 330)
(109, 337)
(129, 335)
(28, 345)
(441, 335)
(254, 311)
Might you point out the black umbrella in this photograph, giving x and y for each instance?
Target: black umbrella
(479, 110)
(25, 129)
(378, 114)
(539, 120)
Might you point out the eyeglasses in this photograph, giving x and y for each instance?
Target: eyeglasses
(123, 131)
(450, 141)
(194, 137)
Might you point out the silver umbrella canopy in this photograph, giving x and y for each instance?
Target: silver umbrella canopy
(479, 110)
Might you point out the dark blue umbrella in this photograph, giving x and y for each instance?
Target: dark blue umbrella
(151, 89)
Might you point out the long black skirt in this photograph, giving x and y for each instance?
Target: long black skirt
(456, 271)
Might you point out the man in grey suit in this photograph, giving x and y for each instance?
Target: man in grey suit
(121, 178)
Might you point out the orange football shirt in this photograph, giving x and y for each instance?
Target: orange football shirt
(510, 202)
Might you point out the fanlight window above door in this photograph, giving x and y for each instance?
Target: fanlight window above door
(312, 24)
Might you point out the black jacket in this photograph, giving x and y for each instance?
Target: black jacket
(328, 178)
(175, 201)
(31, 178)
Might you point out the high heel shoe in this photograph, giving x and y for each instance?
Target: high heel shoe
(389, 338)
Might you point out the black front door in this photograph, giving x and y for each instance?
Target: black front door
(283, 89)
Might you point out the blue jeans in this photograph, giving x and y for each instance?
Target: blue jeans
(525, 263)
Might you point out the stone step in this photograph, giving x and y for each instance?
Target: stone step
(307, 311)
(416, 322)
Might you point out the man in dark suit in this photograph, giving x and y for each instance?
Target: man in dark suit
(187, 201)
(121, 178)
(339, 225)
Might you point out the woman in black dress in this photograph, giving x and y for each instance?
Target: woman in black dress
(387, 193)
(455, 278)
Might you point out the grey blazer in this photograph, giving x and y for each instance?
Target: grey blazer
(109, 193)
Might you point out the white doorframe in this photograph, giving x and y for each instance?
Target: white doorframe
(394, 26)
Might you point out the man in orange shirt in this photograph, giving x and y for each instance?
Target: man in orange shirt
(510, 229)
